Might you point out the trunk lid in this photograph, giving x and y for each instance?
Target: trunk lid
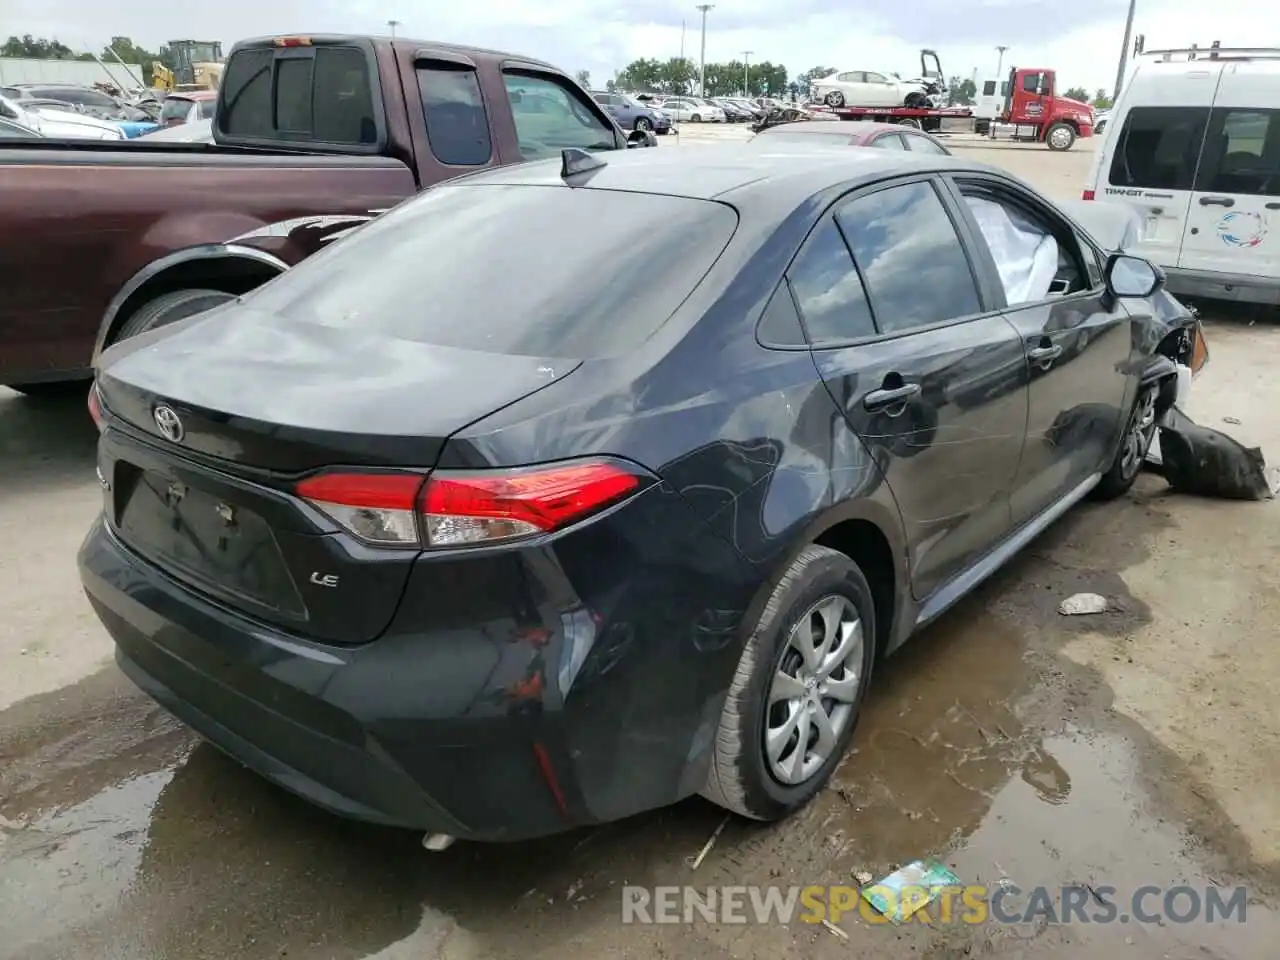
(255, 390)
(261, 401)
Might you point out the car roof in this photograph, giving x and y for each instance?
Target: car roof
(839, 128)
(423, 46)
(778, 177)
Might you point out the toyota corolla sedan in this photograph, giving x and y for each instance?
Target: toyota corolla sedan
(437, 530)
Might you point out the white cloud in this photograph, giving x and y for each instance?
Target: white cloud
(1081, 39)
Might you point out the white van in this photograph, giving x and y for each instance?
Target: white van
(990, 102)
(1194, 146)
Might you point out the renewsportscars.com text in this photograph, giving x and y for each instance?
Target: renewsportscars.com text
(972, 904)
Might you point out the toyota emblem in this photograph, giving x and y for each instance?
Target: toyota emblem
(170, 423)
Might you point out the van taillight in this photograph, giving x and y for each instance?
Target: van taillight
(1087, 195)
(459, 508)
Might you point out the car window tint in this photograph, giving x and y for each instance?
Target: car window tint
(913, 262)
(345, 92)
(1241, 153)
(780, 324)
(1159, 148)
(246, 94)
(453, 109)
(918, 144)
(549, 117)
(828, 290)
(890, 141)
(293, 95)
(500, 268)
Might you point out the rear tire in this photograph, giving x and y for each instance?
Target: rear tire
(743, 777)
(1060, 136)
(169, 308)
(52, 390)
(696, 118)
(916, 101)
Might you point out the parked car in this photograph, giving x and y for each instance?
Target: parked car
(197, 131)
(417, 567)
(301, 157)
(733, 112)
(886, 136)
(866, 88)
(631, 114)
(12, 130)
(756, 111)
(691, 110)
(1196, 151)
(188, 107)
(73, 95)
(58, 123)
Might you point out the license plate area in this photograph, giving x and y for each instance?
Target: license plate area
(214, 543)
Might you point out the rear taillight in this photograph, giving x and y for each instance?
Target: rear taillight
(451, 509)
(95, 406)
(1087, 195)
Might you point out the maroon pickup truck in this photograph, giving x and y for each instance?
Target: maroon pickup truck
(312, 137)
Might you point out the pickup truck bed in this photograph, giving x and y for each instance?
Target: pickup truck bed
(109, 239)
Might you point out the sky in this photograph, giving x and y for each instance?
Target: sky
(1081, 39)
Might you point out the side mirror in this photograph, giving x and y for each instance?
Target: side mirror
(641, 138)
(1129, 276)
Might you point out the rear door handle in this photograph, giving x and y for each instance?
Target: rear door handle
(1044, 354)
(1273, 206)
(1217, 202)
(887, 397)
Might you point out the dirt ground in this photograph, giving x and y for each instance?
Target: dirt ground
(1016, 745)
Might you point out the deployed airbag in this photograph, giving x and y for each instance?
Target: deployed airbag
(1026, 256)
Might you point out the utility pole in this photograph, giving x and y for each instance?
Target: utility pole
(1124, 50)
(393, 24)
(746, 72)
(702, 63)
(1000, 63)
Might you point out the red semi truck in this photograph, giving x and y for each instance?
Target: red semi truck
(1031, 107)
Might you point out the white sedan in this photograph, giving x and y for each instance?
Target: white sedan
(692, 110)
(863, 88)
(55, 123)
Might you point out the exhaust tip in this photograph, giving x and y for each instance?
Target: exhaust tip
(436, 842)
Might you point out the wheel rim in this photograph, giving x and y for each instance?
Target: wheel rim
(1060, 137)
(835, 99)
(812, 693)
(642, 125)
(1138, 438)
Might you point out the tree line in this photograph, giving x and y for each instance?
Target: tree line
(680, 75)
(38, 48)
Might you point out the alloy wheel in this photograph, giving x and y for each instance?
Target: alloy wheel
(1141, 430)
(813, 691)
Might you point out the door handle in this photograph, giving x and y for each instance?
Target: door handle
(1217, 202)
(1273, 206)
(1044, 354)
(888, 396)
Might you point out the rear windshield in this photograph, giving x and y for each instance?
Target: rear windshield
(320, 94)
(540, 271)
(175, 109)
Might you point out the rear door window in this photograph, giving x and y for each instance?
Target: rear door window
(519, 270)
(321, 94)
(911, 258)
(550, 117)
(1241, 153)
(918, 144)
(456, 120)
(890, 141)
(1159, 148)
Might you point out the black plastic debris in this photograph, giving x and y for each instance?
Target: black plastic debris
(1207, 463)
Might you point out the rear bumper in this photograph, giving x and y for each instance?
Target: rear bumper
(1211, 285)
(515, 695)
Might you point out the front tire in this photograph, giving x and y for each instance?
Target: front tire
(1140, 428)
(169, 308)
(696, 118)
(643, 125)
(794, 701)
(834, 99)
(1060, 136)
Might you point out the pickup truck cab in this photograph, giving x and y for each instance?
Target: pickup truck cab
(313, 136)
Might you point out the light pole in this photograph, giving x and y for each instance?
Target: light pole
(1124, 51)
(1000, 62)
(393, 24)
(702, 63)
(746, 72)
